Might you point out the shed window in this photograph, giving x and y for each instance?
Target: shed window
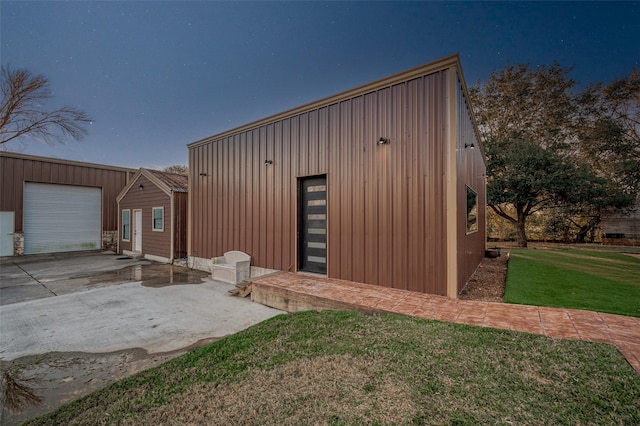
(126, 225)
(472, 210)
(158, 218)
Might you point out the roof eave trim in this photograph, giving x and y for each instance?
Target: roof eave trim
(128, 186)
(9, 154)
(472, 114)
(143, 172)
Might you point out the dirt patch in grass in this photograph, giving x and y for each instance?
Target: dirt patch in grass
(60, 377)
(487, 283)
(343, 388)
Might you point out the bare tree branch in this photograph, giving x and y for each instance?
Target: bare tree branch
(22, 112)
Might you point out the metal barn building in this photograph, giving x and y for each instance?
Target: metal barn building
(383, 184)
(49, 205)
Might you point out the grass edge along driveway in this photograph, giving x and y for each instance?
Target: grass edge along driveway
(337, 368)
(572, 278)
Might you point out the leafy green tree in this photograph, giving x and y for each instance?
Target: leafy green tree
(23, 114)
(520, 102)
(609, 142)
(534, 129)
(178, 169)
(524, 179)
(609, 130)
(525, 117)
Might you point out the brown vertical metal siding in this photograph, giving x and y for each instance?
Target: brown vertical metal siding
(18, 169)
(385, 202)
(357, 178)
(471, 171)
(180, 215)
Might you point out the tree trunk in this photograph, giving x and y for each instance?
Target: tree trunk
(519, 222)
(586, 229)
(522, 234)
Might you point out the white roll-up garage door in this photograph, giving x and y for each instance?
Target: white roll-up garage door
(60, 218)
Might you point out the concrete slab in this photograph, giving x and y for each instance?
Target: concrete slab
(99, 302)
(17, 286)
(78, 321)
(108, 319)
(25, 278)
(13, 276)
(17, 294)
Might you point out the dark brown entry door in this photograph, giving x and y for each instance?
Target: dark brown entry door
(313, 225)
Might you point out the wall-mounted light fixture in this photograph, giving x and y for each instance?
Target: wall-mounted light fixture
(203, 174)
(469, 145)
(383, 141)
(141, 187)
(268, 162)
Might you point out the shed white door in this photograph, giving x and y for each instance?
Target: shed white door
(6, 233)
(137, 231)
(59, 218)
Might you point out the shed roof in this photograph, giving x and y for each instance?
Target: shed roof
(175, 182)
(167, 182)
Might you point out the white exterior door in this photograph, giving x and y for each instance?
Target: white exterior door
(61, 218)
(6, 233)
(137, 231)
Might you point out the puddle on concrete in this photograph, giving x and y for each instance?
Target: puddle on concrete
(176, 275)
(154, 275)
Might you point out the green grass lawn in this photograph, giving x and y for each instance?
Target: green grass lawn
(569, 278)
(339, 368)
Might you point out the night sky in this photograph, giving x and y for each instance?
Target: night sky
(156, 76)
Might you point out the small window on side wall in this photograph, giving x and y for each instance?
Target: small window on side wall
(126, 225)
(472, 210)
(158, 218)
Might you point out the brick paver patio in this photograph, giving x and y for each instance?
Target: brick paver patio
(621, 331)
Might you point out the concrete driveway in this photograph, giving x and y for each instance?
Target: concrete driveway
(100, 303)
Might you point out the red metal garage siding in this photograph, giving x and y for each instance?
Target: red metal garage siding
(17, 169)
(386, 203)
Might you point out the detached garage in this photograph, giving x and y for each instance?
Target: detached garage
(58, 205)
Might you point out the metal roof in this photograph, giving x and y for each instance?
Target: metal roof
(175, 182)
